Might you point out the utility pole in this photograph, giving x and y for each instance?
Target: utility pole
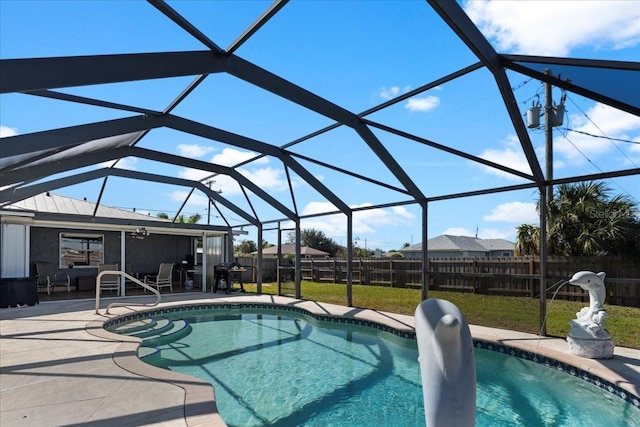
(553, 116)
(209, 182)
(549, 117)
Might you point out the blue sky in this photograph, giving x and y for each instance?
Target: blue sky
(357, 54)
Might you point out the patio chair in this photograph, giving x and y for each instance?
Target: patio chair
(46, 276)
(163, 279)
(109, 282)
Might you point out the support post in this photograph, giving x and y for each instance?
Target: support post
(296, 271)
(543, 260)
(426, 277)
(349, 258)
(259, 262)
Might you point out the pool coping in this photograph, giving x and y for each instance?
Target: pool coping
(200, 405)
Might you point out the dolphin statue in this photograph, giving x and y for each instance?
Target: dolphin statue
(447, 364)
(594, 284)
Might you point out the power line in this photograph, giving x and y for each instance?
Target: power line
(521, 84)
(600, 136)
(596, 166)
(582, 154)
(605, 135)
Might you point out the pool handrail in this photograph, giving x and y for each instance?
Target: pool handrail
(123, 304)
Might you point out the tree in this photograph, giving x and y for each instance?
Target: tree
(315, 239)
(190, 220)
(527, 240)
(584, 220)
(193, 219)
(359, 252)
(245, 247)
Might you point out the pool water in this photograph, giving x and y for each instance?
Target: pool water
(275, 370)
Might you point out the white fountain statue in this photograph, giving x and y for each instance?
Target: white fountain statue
(447, 364)
(588, 336)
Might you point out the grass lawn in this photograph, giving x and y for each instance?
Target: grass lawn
(515, 313)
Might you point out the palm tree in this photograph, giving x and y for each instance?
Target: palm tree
(190, 220)
(182, 219)
(584, 220)
(528, 240)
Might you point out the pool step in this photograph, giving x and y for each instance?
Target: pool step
(133, 327)
(173, 332)
(160, 326)
(149, 354)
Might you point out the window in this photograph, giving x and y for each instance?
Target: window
(81, 250)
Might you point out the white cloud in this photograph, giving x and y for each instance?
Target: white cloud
(364, 222)
(458, 231)
(601, 120)
(634, 151)
(231, 157)
(634, 154)
(578, 147)
(492, 233)
(424, 103)
(554, 28)
(220, 182)
(514, 212)
(267, 178)
(127, 163)
(402, 212)
(195, 199)
(511, 155)
(193, 174)
(313, 208)
(393, 91)
(393, 217)
(6, 131)
(193, 150)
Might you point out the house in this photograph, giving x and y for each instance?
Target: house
(290, 250)
(76, 235)
(448, 246)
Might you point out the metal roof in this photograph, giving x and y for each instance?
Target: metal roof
(54, 210)
(57, 157)
(49, 203)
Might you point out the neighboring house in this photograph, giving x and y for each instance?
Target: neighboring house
(76, 235)
(447, 246)
(290, 249)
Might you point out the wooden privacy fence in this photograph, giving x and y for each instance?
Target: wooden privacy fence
(518, 276)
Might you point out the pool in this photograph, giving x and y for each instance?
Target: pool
(275, 367)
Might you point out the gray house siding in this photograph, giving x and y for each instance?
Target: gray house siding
(144, 255)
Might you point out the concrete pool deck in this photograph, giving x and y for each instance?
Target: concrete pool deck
(59, 367)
